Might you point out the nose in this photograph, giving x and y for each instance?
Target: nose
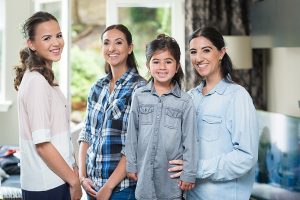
(111, 47)
(198, 57)
(55, 41)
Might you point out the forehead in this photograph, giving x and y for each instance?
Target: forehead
(162, 54)
(48, 27)
(200, 42)
(113, 34)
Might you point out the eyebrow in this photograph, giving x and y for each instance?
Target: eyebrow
(202, 48)
(44, 36)
(114, 40)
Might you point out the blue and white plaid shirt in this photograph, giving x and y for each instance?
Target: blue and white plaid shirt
(105, 127)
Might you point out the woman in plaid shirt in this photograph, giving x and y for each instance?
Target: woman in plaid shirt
(101, 163)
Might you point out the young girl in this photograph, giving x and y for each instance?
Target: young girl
(161, 126)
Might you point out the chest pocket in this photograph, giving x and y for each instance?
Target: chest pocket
(118, 108)
(172, 117)
(210, 127)
(146, 113)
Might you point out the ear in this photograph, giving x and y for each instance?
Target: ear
(222, 53)
(30, 45)
(130, 49)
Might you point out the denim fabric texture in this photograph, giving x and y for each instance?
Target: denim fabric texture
(160, 129)
(228, 136)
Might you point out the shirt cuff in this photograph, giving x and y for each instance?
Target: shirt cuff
(187, 177)
(40, 136)
(131, 168)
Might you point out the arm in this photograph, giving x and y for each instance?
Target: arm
(190, 143)
(242, 125)
(85, 138)
(116, 177)
(132, 138)
(58, 165)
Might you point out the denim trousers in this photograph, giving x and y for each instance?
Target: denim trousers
(126, 194)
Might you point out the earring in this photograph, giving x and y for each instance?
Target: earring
(220, 58)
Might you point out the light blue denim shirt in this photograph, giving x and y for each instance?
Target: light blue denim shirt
(160, 129)
(228, 133)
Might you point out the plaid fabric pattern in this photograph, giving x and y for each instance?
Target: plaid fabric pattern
(106, 126)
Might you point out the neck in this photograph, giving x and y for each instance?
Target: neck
(211, 82)
(117, 72)
(162, 88)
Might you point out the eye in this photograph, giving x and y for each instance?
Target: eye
(155, 62)
(169, 62)
(59, 35)
(105, 43)
(119, 42)
(47, 38)
(206, 50)
(193, 52)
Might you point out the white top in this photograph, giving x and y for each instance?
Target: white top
(43, 117)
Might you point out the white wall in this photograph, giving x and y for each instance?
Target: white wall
(16, 12)
(283, 84)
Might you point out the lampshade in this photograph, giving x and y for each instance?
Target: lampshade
(240, 51)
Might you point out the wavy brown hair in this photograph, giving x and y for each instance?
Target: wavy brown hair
(28, 58)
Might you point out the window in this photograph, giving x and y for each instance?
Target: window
(170, 21)
(2, 17)
(4, 105)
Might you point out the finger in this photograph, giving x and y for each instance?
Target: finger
(175, 169)
(175, 175)
(176, 162)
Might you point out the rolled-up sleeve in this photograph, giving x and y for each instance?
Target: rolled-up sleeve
(85, 134)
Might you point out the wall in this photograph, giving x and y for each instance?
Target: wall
(13, 43)
(283, 82)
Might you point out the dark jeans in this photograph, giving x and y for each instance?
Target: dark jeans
(59, 193)
(126, 194)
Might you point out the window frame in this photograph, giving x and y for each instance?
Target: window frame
(4, 104)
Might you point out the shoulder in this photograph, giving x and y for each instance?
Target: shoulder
(236, 90)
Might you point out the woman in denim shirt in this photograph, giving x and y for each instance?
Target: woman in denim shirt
(226, 123)
(161, 127)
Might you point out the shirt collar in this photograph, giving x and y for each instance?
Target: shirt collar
(123, 79)
(219, 88)
(176, 91)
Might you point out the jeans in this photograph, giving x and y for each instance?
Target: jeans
(126, 194)
(59, 193)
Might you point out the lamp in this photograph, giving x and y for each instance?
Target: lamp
(240, 51)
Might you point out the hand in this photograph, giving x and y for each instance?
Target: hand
(178, 169)
(104, 193)
(75, 190)
(132, 176)
(186, 185)
(88, 186)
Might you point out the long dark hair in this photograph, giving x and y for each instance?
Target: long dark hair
(29, 59)
(164, 42)
(217, 40)
(131, 61)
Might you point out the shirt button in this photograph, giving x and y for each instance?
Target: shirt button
(157, 116)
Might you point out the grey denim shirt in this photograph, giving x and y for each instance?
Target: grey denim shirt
(160, 129)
